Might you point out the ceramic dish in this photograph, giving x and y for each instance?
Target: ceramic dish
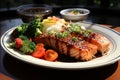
(113, 55)
(75, 14)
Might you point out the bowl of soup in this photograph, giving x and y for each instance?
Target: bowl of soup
(30, 12)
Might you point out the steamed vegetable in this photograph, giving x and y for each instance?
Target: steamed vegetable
(34, 29)
(28, 47)
(20, 30)
(31, 30)
(23, 44)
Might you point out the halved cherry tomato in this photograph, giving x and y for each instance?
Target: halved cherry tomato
(39, 53)
(39, 45)
(18, 43)
(50, 55)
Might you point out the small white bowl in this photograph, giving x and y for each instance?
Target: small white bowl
(75, 17)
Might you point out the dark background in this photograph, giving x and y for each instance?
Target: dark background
(101, 11)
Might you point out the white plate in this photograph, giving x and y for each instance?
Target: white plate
(112, 56)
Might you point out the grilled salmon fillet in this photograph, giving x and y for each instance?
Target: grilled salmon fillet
(102, 43)
(81, 50)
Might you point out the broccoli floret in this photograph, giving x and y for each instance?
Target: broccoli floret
(28, 47)
(31, 30)
(38, 31)
(24, 27)
(20, 30)
(34, 29)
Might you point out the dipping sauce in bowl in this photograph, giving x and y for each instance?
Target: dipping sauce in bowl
(32, 11)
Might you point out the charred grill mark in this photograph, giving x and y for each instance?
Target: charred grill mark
(64, 48)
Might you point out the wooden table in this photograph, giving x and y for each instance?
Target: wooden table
(12, 68)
